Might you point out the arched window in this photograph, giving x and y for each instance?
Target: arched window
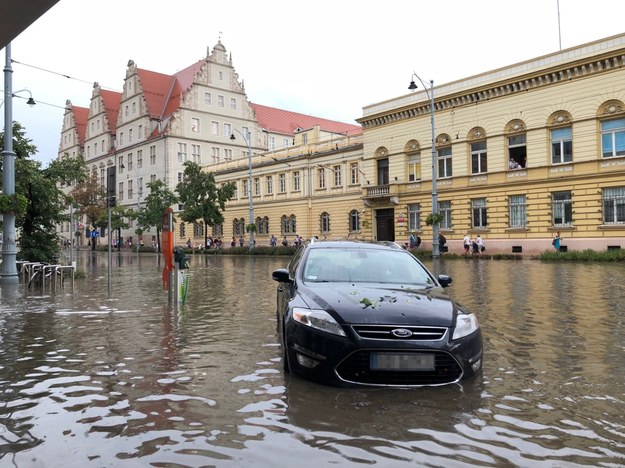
(354, 221)
(324, 221)
(218, 230)
(516, 140)
(479, 156)
(182, 231)
(262, 225)
(444, 156)
(288, 224)
(413, 158)
(561, 137)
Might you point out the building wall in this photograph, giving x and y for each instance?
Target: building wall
(588, 91)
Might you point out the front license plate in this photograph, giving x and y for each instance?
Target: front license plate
(401, 361)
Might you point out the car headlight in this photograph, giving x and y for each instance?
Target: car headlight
(318, 319)
(465, 325)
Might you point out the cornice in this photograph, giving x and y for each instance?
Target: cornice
(572, 71)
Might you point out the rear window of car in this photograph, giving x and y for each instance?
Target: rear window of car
(364, 266)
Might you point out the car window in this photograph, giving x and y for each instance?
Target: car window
(364, 265)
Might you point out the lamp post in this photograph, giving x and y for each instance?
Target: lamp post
(248, 140)
(8, 270)
(430, 94)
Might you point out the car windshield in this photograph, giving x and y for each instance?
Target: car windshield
(364, 266)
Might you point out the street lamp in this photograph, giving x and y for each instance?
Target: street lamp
(8, 270)
(430, 94)
(248, 140)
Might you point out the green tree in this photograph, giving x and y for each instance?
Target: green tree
(90, 196)
(119, 220)
(151, 213)
(201, 197)
(45, 200)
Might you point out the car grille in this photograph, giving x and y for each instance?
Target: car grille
(356, 369)
(384, 332)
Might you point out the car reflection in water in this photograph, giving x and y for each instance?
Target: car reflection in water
(358, 313)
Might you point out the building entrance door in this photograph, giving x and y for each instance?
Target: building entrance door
(385, 226)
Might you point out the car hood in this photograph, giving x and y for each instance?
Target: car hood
(391, 304)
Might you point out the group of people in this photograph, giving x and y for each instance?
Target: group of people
(473, 246)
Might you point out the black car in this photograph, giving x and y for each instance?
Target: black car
(370, 313)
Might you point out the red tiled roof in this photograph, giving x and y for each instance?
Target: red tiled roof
(163, 93)
(286, 122)
(112, 100)
(81, 115)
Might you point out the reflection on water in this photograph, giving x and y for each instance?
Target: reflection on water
(92, 380)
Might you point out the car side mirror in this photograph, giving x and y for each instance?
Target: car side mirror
(445, 280)
(281, 275)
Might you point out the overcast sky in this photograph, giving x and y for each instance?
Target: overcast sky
(323, 58)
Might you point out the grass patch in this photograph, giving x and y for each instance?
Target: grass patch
(588, 255)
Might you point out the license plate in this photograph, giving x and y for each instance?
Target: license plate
(401, 361)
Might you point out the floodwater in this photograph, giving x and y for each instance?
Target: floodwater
(88, 380)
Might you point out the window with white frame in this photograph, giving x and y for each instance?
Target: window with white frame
(140, 133)
(479, 213)
(282, 179)
(130, 168)
(220, 101)
(478, 157)
(152, 155)
(336, 171)
(130, 189)
(233, 103)
(215, 127)
(215, 154)
(561, 145)
(269, 184)
(195, 125)
(517, 211)
(444, 208)
(354, 221)
(414, 167)
(321, 177)
(614, 205)
(414, 217)
(272, 143)
(324, 222)
(152, 177)
(245, 188)
(120, 193)
(120, 164)
(130, 136)
(285, 142)
(353, 173)
(208, 98)
(180, 177)
(227, 130)
(139, 159)
(257, 186)
(517, 151)
(121, 138)
(227, 154)
(296, 181)
(613, 138)
(182, 152)
(196, 154)
(562, 209)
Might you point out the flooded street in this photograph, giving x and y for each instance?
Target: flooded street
(88, 380)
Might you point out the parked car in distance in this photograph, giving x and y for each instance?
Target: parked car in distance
(354, 313)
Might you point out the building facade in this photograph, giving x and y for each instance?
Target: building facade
(521, 153)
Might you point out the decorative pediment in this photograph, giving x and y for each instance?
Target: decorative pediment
(610, 108)
(559, 118)
(516, 126)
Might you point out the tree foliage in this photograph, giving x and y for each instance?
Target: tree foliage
(151, 213)
(90, 196)
(45, 200)
(201, 197)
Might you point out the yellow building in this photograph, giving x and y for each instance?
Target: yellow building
(522, 153)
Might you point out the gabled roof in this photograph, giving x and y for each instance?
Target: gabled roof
(81, 115)
(163, 93)
(112, 100)
(286, 122)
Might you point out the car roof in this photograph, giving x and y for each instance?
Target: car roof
(352, 244)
